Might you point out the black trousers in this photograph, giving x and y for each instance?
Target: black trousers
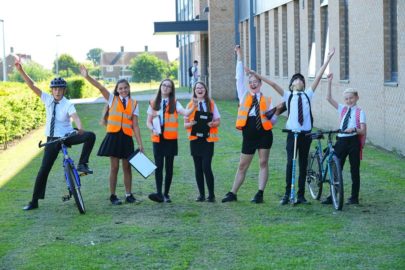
(51, 153)
(350, 146)
(160, 163)
(202, 165)
(303, 146)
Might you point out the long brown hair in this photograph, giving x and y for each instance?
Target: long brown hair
(106, 108)
(206, 97)
(172, 97)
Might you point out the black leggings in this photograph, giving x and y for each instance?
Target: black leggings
(159, 162)
(202, 165)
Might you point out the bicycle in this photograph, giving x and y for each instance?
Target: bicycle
(324, 162)
(72, 176)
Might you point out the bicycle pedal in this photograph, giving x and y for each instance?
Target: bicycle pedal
(65, 198)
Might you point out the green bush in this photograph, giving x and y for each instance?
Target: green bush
(19, 113)
(75, 88)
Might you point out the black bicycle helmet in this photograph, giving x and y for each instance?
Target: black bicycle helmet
(58, 82)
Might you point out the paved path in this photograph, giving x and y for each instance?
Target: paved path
(143, 97)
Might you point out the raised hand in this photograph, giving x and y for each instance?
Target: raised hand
(330, 77)
(17, 64)
(83, 71)
(331, 53)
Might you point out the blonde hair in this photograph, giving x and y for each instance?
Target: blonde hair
(351, 91)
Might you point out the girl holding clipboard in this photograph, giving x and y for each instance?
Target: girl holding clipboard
(202, 128)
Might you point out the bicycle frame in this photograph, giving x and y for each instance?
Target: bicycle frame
(66, 162)
(327, 156)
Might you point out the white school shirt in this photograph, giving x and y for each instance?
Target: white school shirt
(111, 99)
(215, 113)
(179, 108)
(241, 89)
(64, 111)
(352, 119)
(292, 121)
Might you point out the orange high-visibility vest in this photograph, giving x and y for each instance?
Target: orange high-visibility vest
(170, 126)
(120, 118)
(213, 136)
(244, 108)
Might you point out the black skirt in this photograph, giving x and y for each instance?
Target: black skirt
(117, 145)
(255, 139)
(201, 148)
(165, 147)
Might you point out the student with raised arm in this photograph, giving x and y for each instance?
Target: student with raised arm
(256, 130)
(121, 118)
(59, 112)
(351, 141)
(163, 123)
(298, 102)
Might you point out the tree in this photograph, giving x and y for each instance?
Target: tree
(94, 55)
(173, 70)
(147, 67)
(67, 65)
(34, 70)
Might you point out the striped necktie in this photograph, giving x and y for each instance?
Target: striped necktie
(300, 112)
(257, 111)
(124, 102)
(52, 129)
(346, 120)
(201, 107)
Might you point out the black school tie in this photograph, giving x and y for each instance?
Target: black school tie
(201, 107)
(300, 112)
(346, 120)
(163, 114)
(257, 110)
(52, 129)
(124, 102)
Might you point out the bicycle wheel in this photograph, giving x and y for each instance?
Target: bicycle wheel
(75, 191)
(336, 183)
(314, 175)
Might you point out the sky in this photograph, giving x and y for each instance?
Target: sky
(45, 28)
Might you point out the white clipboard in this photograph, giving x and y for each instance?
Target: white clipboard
(142, 163)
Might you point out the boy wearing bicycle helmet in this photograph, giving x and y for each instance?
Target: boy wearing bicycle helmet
(351, 142)
(59, 110)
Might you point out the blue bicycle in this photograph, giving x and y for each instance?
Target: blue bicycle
(324, 162)
(72, 176)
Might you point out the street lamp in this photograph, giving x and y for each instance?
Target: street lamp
(57, 58)
(4, 55)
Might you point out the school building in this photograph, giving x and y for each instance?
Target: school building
(283, 37)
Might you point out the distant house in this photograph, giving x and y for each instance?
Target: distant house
(115, 65)
(10, 59)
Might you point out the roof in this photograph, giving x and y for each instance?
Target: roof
(124, 58)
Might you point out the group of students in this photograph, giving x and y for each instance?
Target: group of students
(256, 117)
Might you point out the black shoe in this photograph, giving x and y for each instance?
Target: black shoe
(211, 199)
(258, 198)
(31, 205)
(114, 200)
(84, 168)
(285, 200)
(130, 199)
(328, 200)
(230, 197)
(352, 201)
(166, 198)
(156, 197)
(301, 199)
(200, 198)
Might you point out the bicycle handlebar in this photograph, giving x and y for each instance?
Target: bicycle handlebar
(61, 139)
(319, 134)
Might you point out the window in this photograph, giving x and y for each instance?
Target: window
(311, 39)
(390, 41)
(344, 39)
(110, 68)
(247, 59)
(276, 45)
(267, 42)
(297, 45)
(258, 46)
(285, 40)
(324, 35)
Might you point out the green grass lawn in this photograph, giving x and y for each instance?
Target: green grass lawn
(190, 235)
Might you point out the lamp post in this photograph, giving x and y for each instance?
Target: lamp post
(57, 58)
(4, 54)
